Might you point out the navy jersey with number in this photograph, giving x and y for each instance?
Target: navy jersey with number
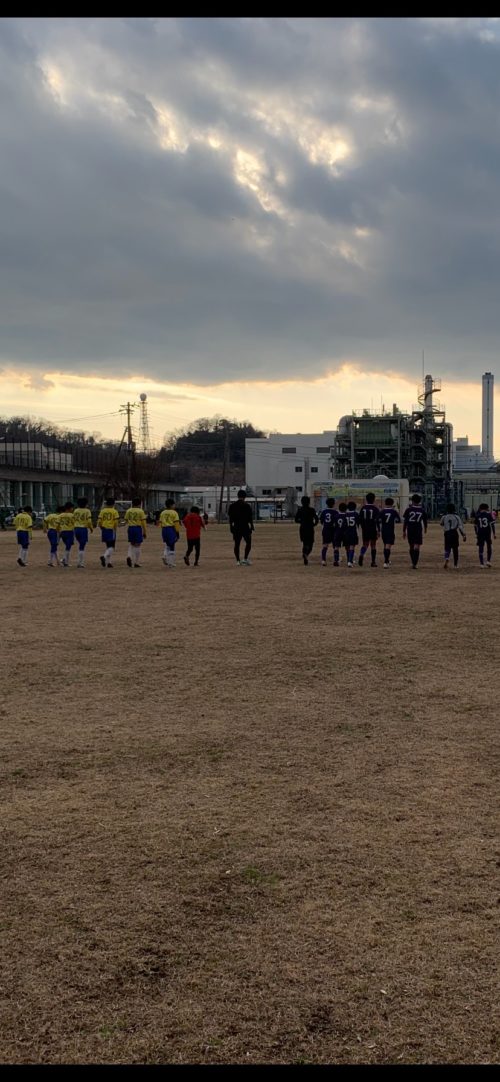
(369, 518)
(338, 537)
(389, 516)
(351, 527)
(414, 520)
(484, 525)
(328, 519)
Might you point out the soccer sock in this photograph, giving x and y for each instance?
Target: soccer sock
(20, 552)
(351, 556)
(324, 551)
(137, 553)
(374, 555)
(171, 557)
(481, 554)
(24, 555)
(67, 556)
(387, 555)
(363, 550)
(130, 552)
(247, 551)
(416, 556)
(108, 554)
(336, 556)
(81, 557)
(446, 554)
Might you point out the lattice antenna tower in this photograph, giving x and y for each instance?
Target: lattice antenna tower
(144, 434)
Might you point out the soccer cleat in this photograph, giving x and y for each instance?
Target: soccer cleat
(186, 561)
(373, 565)
(349, 564)
(129, 562)
(21, 562)
(137, 565)
(306, 561)
(323, 563)
(109, 565)
(165, 561)
(387, 565)
(360, 560)
(103, 561)
(488, 563)
(336, 563)
(445, 565)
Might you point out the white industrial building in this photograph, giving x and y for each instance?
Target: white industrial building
(277, 463)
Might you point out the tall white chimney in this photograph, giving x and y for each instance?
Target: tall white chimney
(487, 435)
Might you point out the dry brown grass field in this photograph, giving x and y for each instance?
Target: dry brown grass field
(249, 815)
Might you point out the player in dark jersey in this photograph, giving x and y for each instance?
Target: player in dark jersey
(351, 538)
(389, 516)
(484, 526)
(414, 527)
(369, 518)
(338, 536)
(453, 526)
(241, 526)
(328, 518)
(307, 519)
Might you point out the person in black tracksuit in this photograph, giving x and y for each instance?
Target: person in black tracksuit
(307, 519)
(241, 526)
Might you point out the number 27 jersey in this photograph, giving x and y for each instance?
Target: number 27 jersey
(414, 520)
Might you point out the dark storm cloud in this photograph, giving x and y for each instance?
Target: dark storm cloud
(215, 199)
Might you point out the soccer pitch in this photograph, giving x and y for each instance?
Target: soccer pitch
(250, 814)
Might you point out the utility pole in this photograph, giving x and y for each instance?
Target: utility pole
(128, 408)
(224, 468)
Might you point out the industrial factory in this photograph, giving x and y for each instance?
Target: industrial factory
(416, 447)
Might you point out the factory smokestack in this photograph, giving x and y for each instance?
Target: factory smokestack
(487, 434)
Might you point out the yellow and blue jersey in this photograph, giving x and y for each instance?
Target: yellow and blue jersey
(66, 521)
(51, 522)
(82, 518)
(169, 517)
(135, 516)
(23, 522)
(108, 518)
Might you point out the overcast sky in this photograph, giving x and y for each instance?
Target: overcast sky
(206, 201)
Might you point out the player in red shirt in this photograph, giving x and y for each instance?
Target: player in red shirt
(193, 525)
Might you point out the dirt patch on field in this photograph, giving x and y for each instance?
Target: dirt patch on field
(249, 814)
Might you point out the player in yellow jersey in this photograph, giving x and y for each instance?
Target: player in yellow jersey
(51, 528)
(67, 531)
(23, 523)
(135, 521)
(170, 530)
(108, 521)
(83, 523)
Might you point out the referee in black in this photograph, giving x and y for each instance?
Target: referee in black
(241, 526)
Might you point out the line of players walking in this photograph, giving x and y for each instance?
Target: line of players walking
(340, 527)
